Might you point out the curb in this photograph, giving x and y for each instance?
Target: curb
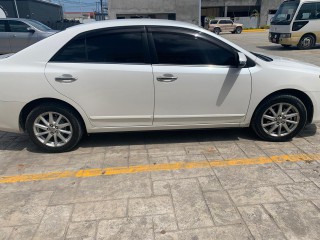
(255, 30)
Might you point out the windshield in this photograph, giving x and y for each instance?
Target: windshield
(285, 13)
(38, 25)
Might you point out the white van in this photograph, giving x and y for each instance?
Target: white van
(296, 23)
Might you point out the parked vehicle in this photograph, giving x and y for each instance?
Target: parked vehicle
(296, 23)
(18, 33)
(224, 25)
(137, 75)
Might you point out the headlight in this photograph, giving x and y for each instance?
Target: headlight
(285, 35)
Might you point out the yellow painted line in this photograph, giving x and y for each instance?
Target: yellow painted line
(157, 167)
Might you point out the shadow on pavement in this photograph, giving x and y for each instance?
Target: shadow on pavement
(280, 48)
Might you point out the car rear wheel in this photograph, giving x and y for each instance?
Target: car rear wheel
(54, 128)
(238, 30)
(279, 118)
(217, 31)
(306, 42)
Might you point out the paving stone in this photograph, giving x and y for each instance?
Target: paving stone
(190, 207)
(5, 233)
(138, 160)
(297, 176)
(251, 176)
(23, 208)
(161, 188)
(259, 223)
(23, 232)
(114, 161)
(221, 208)
(312, 174)
(192, 173)
(82, 230)
(128, 228)
(230, 151)
(150, 206)
(297, 220)
(99, 210)
(202, 149)
(259, 195)
(308, 164)
(317, 203)
(54, 223)
(299, 191)
(209, 183)
(234, 232)
(160, 175)
(164, 223)
(113, 187)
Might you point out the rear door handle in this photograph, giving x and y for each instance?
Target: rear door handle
(167, 78)
(67, 78)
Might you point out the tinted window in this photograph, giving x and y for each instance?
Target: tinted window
(309, 11)
(116, 47)
(223, 22)
(185, 49)
(213, 21)
(16, 26)
(2, 26)
(73, 51)
(104, 47)
(229, 22)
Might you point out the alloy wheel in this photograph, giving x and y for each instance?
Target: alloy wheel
(280, 119)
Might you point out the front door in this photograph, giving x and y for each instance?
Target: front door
(195, 80)
(106, 72)
(4, 37)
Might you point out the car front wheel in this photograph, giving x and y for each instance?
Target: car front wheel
(217, 31)
(238, 30)
(279, 118)
(54, 128)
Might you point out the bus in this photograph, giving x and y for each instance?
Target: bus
(296, 23)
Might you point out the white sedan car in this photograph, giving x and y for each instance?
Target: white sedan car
(137, 75)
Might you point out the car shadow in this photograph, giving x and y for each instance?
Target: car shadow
(283, 49)
(21, 142)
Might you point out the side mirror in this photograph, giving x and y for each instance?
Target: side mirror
(31, 30)
(242, 60)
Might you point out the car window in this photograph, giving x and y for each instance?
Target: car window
(229, 22)
(16, 26)
(39, 25)
(213, 21)
(116, 47)
(2, 26)
(309, 11)
(223, 22)
(187, 49)
(104, 47)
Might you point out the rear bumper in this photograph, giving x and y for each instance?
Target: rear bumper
(9, 116)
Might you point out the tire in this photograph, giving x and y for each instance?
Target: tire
(65, 133)
(307, 42)
(285, 45)
(217, 31)
(238, 30)
(233, 32)
(295, 123)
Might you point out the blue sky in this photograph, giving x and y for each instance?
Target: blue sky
(79, 5)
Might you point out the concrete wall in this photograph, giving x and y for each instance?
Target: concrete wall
(185, 10)
(265, 7)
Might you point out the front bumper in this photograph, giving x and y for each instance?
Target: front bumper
(9, 116)
(276, 38)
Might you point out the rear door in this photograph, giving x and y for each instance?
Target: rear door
(108, 73)
(4, 37)
(20, 36)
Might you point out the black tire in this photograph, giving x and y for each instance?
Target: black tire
(307, 42)
(256, 122)
(238, 30)
(285, 45)
(217, 31)
(68, 113)
(233, 32)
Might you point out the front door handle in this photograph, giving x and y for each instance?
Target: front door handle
(167, 78)
(67, 78)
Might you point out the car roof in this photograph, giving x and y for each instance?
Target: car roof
(132, 22)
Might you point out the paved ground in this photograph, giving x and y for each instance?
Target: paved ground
(210, 184)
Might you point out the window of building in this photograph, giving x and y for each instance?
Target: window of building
(16, 26)
(187, 49)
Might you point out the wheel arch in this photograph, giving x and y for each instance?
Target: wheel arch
(37, 102)
(293, 92)
(309, 33)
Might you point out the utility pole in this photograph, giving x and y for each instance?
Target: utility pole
(15, 3)
(101, 6)
(200, 13)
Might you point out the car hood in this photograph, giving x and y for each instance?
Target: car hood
(292, 63)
